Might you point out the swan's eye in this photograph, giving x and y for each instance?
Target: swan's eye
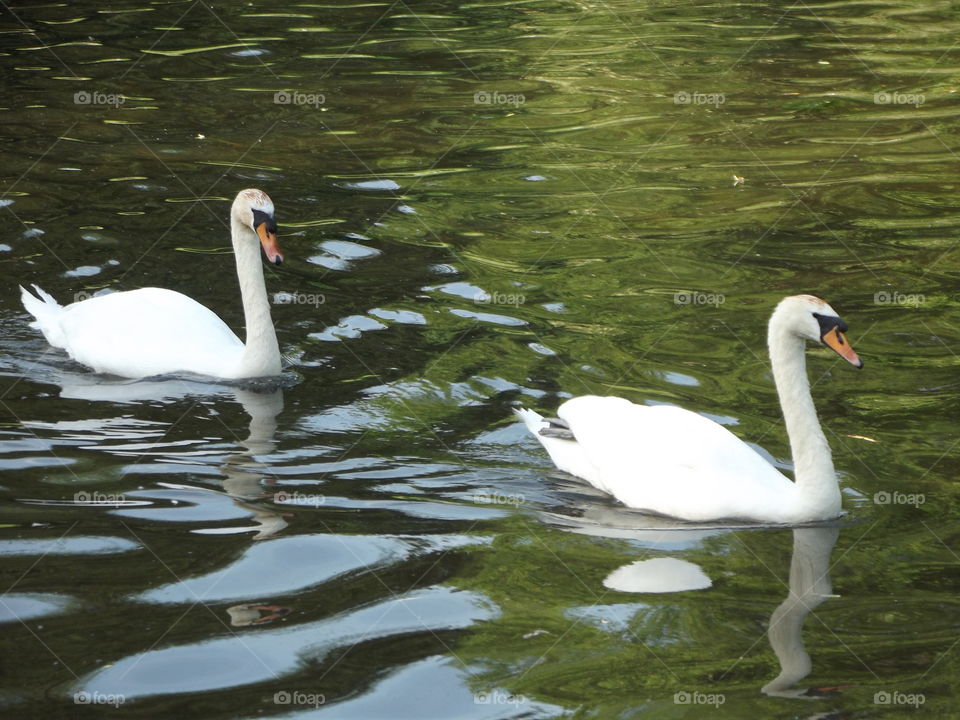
(260, 217)
(829, 322)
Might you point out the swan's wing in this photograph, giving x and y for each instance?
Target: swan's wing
(618, 432)
(672, 460)
(146, 332)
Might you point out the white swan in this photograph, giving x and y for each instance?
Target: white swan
(152, 331)
(675, 462)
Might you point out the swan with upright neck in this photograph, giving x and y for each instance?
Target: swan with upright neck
(675, 462)
(153, 331)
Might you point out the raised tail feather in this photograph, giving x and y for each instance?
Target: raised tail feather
(559, 442)
(533, 420)
(47, 311)
(544, 427)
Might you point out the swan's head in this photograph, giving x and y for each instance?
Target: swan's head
(254, 209)
(812, 319)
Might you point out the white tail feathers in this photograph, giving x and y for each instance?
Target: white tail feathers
(566, 455)
(47, 312)
(534, 421)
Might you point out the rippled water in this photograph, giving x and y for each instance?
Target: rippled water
(481, 204)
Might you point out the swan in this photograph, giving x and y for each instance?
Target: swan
(675, 462)
(153, 331)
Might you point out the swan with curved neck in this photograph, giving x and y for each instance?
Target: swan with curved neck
(675, 462)
(153, 331)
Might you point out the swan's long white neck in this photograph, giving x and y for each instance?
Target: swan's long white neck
(262, 353)
(816, 480)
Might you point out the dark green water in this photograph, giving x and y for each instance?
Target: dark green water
(413, 553)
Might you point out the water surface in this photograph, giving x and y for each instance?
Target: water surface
(482, 204)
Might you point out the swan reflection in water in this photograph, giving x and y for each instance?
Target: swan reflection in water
(243, 473)
(809, 583)
(809, 587)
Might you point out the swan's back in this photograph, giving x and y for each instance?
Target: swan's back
(150, 331)
(674, 461)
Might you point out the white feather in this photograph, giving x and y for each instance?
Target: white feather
(567, 455)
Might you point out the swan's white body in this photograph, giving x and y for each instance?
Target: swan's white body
(665, 459)
(672, 461)
(152, 331)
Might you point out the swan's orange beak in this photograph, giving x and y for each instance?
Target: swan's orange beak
(268, 239)
(836, 341)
